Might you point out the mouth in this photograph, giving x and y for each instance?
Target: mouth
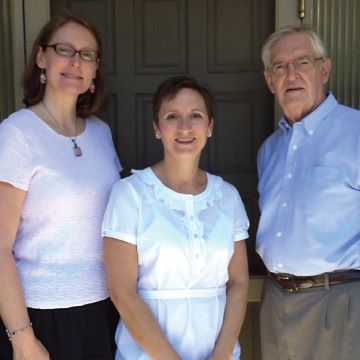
(71, 76)
(186, 141)
(294, 88)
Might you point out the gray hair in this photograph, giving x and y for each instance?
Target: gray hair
(315, 41)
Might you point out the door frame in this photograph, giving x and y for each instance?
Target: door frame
(29, 15)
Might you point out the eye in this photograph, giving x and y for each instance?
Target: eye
(303, 61)
(89, 55)
(197, 116)
(278, 67)
(170, 117)
(64, 50)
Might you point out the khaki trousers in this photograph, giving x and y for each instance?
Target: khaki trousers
(313, 324)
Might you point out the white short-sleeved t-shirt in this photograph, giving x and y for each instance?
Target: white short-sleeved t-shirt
(184, 245)
(58, 246)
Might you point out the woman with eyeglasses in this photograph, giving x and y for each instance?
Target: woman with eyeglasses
(57, 166)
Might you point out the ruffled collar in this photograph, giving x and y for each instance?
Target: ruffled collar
(179, 201)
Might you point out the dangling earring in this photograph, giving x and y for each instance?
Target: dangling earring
(43, 78)
(92, 87)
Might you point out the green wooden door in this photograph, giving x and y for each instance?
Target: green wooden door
(216, 41)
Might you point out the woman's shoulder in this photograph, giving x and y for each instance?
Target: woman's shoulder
(97, 124)
(218, 181)
(20, 125)
(133, 183)
(18, 119)
(223, 187)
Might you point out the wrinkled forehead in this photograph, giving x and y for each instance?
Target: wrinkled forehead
(291, 46)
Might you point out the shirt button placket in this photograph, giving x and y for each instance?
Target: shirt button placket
(195, 241)
(287, 185)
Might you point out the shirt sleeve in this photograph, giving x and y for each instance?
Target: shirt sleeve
(241, 219)
(121, 215)
(15, 157)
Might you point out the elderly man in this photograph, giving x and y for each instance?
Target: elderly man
(309, 187)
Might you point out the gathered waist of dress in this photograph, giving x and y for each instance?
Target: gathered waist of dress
(182, 293)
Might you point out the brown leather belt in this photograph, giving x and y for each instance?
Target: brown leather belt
(291, 283)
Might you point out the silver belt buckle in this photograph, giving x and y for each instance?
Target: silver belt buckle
(283, 276)
(308, 284)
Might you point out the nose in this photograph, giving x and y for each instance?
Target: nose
(75, 59)
(291, 71)
(184, 124)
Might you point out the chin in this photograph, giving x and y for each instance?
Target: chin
(75, 90)
(185, 154)
(295, 103)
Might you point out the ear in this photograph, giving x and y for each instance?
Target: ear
(326, 69)
(269, 81)
(156, 130)
(210, 127)
(40, 58)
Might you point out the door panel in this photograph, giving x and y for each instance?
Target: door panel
(160, 44)
(216, 41)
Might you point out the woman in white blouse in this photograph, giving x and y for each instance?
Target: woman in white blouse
(174, 242)
(57, 167)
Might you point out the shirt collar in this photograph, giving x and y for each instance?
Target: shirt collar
(312, 121)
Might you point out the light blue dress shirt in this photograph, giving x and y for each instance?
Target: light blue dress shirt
(309, 182)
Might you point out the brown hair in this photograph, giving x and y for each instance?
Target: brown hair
(87, 103)
(169, 88)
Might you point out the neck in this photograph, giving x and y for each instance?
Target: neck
(181, 176)
(296, 114)
(60, 114)
(63, 108)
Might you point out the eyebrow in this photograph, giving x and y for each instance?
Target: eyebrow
(297, 58)
(73, 46)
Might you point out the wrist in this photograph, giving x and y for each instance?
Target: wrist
(12, 333)
(23, 340)
(222, 354)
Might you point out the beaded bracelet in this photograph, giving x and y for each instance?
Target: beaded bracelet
(12, 333)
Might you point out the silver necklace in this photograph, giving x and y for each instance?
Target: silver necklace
(76, 149)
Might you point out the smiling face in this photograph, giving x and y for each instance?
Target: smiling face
(298, 92)
(71, 75)
(183, 124)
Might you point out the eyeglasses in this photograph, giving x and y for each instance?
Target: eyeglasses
(68, 51)
(303, 64)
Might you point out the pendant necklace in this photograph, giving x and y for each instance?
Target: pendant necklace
(76, 149)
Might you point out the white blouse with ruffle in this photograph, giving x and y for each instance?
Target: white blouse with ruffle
(184, 245)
